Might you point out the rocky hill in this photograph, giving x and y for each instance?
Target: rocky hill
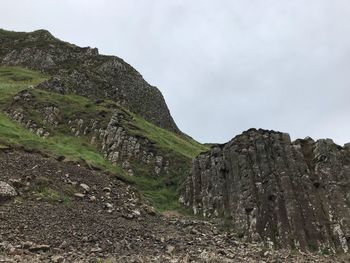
(83, 71)
(293, 194)
(93, 169)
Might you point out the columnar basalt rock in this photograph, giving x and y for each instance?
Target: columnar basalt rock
(119, 146)
(294, 194)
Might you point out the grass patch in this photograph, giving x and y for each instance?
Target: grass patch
(73, 148)
(69, 103)
(165, 140)
(18, 75)
(50, 195)
(15, 79)
(44, 189)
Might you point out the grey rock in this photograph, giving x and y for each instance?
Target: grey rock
(136, 213)
(108, 205)
(85, 187)
(289, 194)
(170, 249)
(106, 189)
(57, 259)
(37, 248)
(6, 191)
(79, 195)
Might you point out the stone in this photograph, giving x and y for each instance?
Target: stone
(6, 191)
(85, 187)
(108, 205)
(150, 210)
(27, 244)
(136, 213)
(37, 248)
(106, 189)
(96, 250)
(170, 249)
(57, 259)
(79, 195)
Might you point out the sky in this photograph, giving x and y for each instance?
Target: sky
(223, 66)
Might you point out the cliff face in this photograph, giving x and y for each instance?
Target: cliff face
(294, 194)
(84, 72)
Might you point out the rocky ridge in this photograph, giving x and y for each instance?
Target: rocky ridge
(293, 194)
(85, 72)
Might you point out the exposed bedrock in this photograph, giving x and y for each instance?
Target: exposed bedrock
(294, 194)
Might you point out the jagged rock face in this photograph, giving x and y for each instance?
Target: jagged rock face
(119, 146)
(294, 194)
(84, 72)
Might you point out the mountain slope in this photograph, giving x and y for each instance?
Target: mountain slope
(82, 71)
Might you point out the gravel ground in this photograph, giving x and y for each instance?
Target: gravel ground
(65, 212)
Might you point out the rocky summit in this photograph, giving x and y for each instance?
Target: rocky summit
(94, 169)
(85, 72)
(292, 194)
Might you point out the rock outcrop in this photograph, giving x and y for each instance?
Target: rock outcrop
(111, 131)
(84, 72)
(293, 194)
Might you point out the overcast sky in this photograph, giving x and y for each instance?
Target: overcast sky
(223, 66)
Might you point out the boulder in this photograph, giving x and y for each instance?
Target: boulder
(6, 191)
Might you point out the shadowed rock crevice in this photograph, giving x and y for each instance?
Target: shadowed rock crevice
(294, 194)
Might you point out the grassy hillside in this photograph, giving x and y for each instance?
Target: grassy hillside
(162, 191)
(13, 80)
